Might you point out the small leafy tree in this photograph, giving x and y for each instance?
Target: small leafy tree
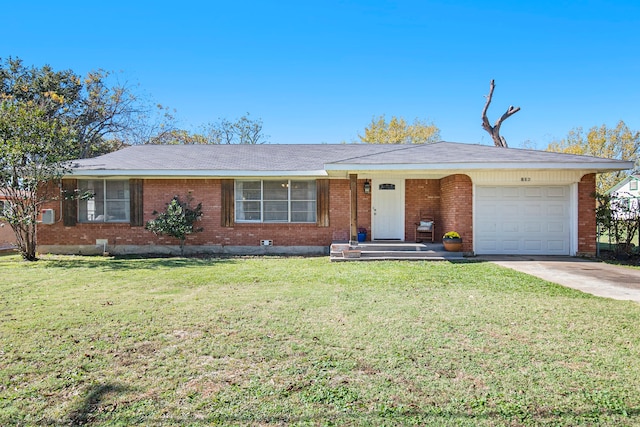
(178, 220)
(619, 218)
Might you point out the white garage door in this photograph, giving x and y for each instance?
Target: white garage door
(523, 220)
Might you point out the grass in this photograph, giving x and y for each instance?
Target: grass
(608, 253)
(301, 341)
(604, 239)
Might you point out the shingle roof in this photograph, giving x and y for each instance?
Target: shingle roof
(271, 157)
(319, 157)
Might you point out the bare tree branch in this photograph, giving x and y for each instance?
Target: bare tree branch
(494, 130)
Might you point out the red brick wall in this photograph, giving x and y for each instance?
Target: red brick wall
(587, 230)
(364, 207)
(456, 204)
(448, 200)
(7, 236)
(157, 192)
(422, 195)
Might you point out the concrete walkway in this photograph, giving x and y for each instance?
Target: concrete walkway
(597, 278)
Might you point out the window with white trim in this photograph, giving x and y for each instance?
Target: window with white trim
(110, 201)
(285, 200)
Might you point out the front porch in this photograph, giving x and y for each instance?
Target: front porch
(392, 250)
(389, 207)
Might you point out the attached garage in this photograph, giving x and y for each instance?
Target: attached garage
(523, 220)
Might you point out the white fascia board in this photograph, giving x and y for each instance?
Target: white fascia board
(162, 173)
(619, 184)
(596, 166)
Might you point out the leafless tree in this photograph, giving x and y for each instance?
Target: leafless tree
(494, 130)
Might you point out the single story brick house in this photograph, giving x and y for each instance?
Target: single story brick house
(301, 198)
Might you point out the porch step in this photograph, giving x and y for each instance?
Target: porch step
(372, 251)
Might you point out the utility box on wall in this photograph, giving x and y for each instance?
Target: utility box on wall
(48, 216)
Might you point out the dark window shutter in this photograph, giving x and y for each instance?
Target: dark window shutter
(227, 217)
(135, 203)
(69, 203)
(322, 202)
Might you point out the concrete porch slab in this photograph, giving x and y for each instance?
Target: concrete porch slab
(394, 250)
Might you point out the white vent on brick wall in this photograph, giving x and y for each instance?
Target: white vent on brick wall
(48, 216)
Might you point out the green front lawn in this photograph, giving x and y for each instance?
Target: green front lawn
(604, 241)
(293, 341)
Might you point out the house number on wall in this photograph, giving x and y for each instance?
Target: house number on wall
(525, 179)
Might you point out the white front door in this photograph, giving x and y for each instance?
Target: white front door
(387, 209)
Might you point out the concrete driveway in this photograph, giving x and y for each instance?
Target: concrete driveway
(597, 278)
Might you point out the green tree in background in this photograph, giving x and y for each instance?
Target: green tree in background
(619, 143)
(178, 137)
(34, 148)
(244, 130)
(398, 131)
(103, 117)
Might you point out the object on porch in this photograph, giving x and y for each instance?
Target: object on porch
(452, 241)
(425, 228)
(351, 253)
(362, 234)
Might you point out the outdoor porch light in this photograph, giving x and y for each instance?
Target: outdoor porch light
(367, 187)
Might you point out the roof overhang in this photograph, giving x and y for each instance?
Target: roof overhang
(608, 166)
(344, 169)
(186, 173)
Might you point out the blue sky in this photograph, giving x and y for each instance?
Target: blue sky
(318, 71)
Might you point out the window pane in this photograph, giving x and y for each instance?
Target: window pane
(276, 190)
(91, 209)
(305, 206)
(276, 211)
(117, 190)
(95, 186)
(248, 211)
(117, 211)
(303, 211)
(303, 190)
(303, 217)
(248, 190)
